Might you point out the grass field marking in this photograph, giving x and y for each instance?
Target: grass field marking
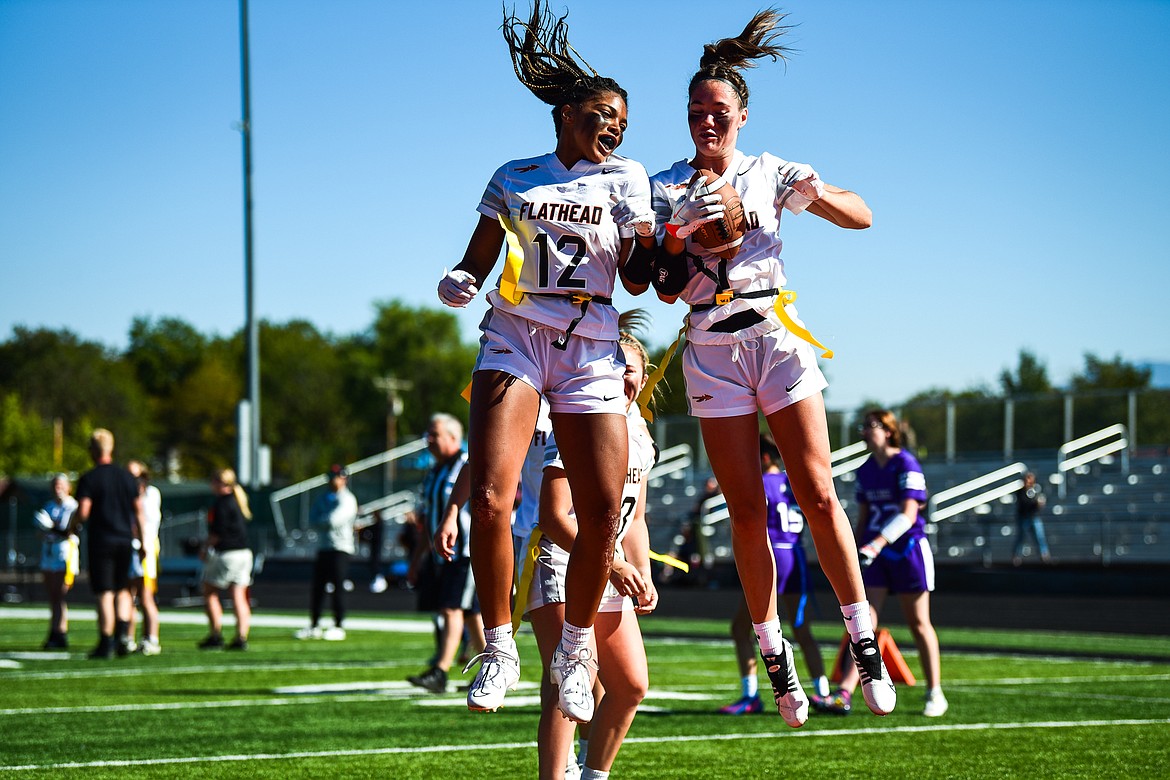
(170, 617)
(201, 705)
(143, 671)
(628, 741)
(1057, 680)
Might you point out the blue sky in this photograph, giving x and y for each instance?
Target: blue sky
(1014, 155)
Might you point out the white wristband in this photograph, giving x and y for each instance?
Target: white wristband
(898, 525)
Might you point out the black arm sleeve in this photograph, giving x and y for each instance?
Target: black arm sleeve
(671, 273)
(639, 268)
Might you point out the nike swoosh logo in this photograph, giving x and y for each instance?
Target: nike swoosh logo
(788, 388)
(608, 170)
(526, 168)
(608, 397)
(501, 351)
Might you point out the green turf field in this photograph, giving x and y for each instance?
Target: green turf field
(1022, 705)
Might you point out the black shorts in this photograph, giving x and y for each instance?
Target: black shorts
(109, 568)
(456, 586)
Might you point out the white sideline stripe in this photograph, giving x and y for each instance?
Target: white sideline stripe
(394, 625)
(223, 669)
(633, 740)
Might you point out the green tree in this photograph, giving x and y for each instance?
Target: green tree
(1030, 377)
(163, 354)
(1115, 374)
(205, 417)
(421, 346)
(58, 375)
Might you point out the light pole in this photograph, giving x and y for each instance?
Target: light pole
(250, 449)
(393, 387)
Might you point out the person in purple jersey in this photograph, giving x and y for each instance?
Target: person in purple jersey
(894, 551)
(785, 525)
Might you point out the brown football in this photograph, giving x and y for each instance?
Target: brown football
(723, 236)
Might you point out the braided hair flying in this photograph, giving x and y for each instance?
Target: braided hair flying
(548, 65)
(723, 59)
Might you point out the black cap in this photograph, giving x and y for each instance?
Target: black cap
(337, 470)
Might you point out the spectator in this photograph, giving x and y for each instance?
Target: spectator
(1029, 502)
(227, 561)
(144, 570)
(59, 554)
(333, 516)
(108, 502)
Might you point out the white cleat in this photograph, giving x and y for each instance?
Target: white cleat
(936, 704)
(573, 675)
(333, 634)
(499, 671)
(876, 686)
(791, 702)
(308, 632)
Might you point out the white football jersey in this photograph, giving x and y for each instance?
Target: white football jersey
(569, 241)
(642, 455)
(757, 266)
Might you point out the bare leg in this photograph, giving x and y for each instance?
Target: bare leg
(149, 611)
(213, 608)
(745, 640)
(594, 450)
(503, 416)
(803, 437)
(732, 445)
(105, 609)
(452, 634)
(623, 673)
(916, 607)
(242, 609)
(555, 733)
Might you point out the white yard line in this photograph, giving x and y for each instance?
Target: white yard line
(242, 757)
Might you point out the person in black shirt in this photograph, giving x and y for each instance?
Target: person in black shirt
(227, 560)
(108, 504)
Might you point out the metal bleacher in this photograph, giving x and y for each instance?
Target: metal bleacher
(1104, 506)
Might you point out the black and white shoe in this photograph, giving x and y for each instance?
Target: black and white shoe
(876, 685)
(791, 701)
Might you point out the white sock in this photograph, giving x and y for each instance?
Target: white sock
(574, 638)
(858, 620)
(593, 774)
(500, 636)
(750, 685)
(769, 636)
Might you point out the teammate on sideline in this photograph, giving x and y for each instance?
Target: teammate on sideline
(742, 356)
(59, 559)
(144, 569)
(894, 549)
(785, 524)
(568, 218)
(227, 561)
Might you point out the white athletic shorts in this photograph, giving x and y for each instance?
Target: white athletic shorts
(231, 567)
(583, 378)
(768, 373)
(548, 583)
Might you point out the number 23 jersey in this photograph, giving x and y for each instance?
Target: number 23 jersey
(570, 243)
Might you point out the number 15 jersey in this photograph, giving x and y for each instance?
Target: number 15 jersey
(569, 242)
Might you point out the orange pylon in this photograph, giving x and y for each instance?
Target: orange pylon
(891, 655)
